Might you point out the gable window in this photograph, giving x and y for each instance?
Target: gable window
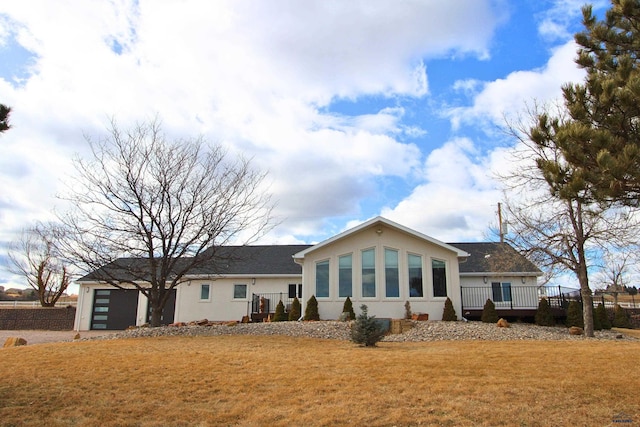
(439, 273)
(501, 292)
(392, 281)
(292, 290)
(205, 292)
(322, 279)
(240, 291)
(415, 276)
(345, 276)
(369, 273)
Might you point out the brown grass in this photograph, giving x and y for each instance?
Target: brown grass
(277, 381)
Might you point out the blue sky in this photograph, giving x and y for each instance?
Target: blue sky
(355, 109)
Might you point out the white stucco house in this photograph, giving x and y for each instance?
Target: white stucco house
(378, 263)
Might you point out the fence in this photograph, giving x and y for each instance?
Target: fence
(506, 296)
(34, 304)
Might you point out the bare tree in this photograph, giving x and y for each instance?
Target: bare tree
(149, 211)
(34, 256)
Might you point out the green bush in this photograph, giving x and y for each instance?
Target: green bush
(489, 313)
(311, 310)
(574, 315)
(449, 313)
(366, 330)
(294, 312)
(280, 315)
(544, 316)
(621, 318)
(348, 308)
(601, 318)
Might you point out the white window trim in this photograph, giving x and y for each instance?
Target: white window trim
(446, 278)
(246, 292)
(200, 299)
(315, 279)
(425, 293)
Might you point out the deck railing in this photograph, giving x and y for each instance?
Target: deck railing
(515, 297)
(266, 302)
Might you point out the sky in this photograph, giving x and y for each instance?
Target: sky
(354, 108)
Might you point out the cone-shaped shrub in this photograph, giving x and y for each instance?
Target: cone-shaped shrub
(621, 318)
(280, 315)
(366, 330)
(311, 310)
(294, 312)
(348, 308)
(602, 317)
(544, 317)
(489, 313)
(574, 315)
(407, 310)
(449, 313)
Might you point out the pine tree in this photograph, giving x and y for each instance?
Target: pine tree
(621, 318)
(280, 315)
(544, 316)
(294, 312)
(311, 310)
(407, 310)
(449, 313)
(4, 117)
(366, 330)
(489, 313)
(602, 317)
(574, 314)
(348, 308)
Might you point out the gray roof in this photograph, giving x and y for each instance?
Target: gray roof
(492, 257)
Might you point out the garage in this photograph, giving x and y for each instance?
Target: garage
(114, 309)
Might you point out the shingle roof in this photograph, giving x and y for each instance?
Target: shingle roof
(488, 257)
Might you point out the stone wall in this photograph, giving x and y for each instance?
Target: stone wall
(50, 319)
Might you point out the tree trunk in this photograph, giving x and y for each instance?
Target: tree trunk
(156, 316)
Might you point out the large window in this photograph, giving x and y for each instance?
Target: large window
(345, 276)
(322, 279)
(391, 278)
(369, 273)
(239, 291)
(415, 276)
(205, 293)
(439, 273)
(501, 291)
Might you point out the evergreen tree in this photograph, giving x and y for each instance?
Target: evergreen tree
(489, 313)
(407, 310)
(4, 117)
(621, 318)
(294, 312)
(601, 317)
(544, 316)
(574, 314)
(311, 310)
(366, 329)
(280, 315)
(348, 308)
(449, 313)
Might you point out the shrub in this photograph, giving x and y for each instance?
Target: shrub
(489, 313)
(544, 317)
(366, 330)
(280, 315)
(311, 310)
(449, 313)
(621, 318)
(348, 308)
(601, 318)
(294, 312)
(574, 315)
(407, 310)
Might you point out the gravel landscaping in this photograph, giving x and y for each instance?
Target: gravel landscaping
(421, 331)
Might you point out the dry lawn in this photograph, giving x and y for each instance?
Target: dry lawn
(278, 381)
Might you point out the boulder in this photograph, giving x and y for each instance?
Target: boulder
(502, 323)
(14, 342)
(574, 330)
(77, 336)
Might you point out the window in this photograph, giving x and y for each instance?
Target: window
(501, 291)
(292, 290)
(439, 271)
(345, 276)
(369, 273)
(391, 278)
(415, 276)
(322, 279)
(204, 292)
(239, 291)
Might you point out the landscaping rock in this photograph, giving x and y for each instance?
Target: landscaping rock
(14, 342)
(574, 330)
(502, 323)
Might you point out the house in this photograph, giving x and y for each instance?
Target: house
(378, 263)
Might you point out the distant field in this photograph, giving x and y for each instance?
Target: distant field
(278, 381)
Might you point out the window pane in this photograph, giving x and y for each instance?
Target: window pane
(439, 278)
(240, 291)
(392, 283)
(299, 290)
(292, 290)
(345, 276)
(506, 291)
(204, 291)
(496, 292)
(369, 273)
(415, 276)
(322, 279)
